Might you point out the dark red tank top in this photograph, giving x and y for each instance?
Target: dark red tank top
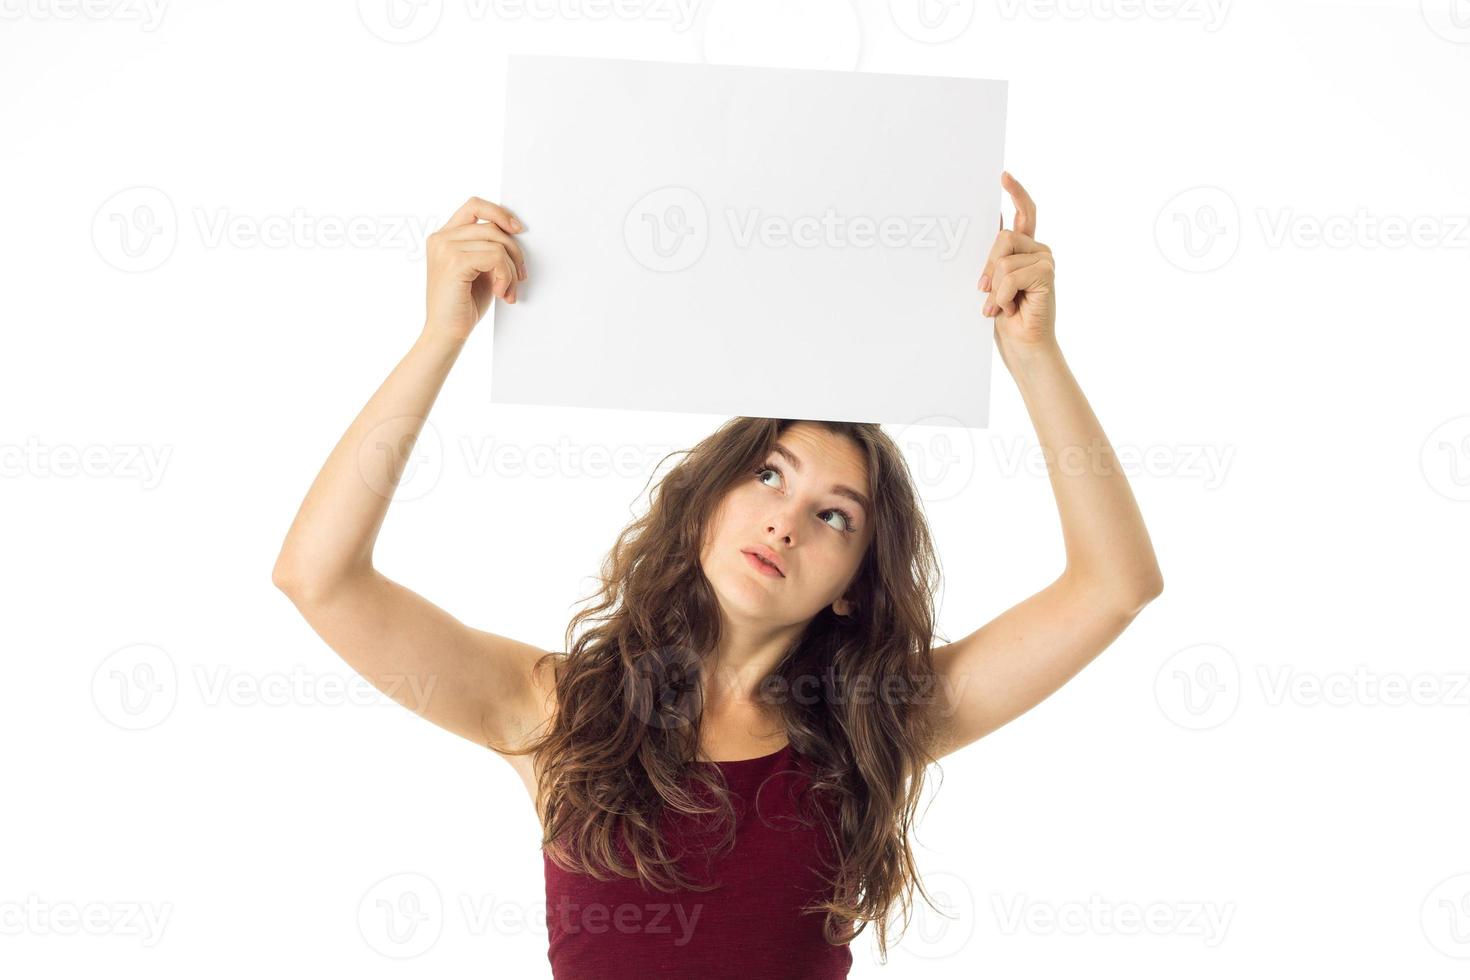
(749, 926)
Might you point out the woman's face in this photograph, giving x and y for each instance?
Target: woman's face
(796, 507)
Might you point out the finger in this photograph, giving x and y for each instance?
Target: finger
(1001, 247)
(479, 209)
(1007, 243)
(469, 266)
(504, 268)
(1037, 274)
(1004, 267)
(1025, 222)
(482, 235)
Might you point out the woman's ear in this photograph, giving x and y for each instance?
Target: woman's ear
(842, 607)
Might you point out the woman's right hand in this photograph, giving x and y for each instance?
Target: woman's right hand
(471, 260)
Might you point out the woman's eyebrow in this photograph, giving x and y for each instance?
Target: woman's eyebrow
(841, 489)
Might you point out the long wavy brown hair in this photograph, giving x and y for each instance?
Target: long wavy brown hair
(626, 722)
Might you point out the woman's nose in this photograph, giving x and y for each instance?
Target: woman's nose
(782, 524)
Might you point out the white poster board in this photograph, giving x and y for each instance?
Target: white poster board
(731, 240)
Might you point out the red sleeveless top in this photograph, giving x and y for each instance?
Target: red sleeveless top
(749, 926)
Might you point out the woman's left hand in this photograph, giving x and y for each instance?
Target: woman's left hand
(1019, 277)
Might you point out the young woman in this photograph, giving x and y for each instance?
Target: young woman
(727, 757)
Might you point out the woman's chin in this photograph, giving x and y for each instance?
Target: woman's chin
(746, 598)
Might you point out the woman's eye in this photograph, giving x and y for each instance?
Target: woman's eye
(846, 524)
(846, 520)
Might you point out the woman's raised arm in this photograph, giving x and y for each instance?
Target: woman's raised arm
(470, 682)
(1021, 657)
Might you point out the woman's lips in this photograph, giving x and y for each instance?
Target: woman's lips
(761, 566)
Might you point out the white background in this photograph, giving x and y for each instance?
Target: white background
(1269, 765)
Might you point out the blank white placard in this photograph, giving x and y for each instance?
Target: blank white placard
(729, 240)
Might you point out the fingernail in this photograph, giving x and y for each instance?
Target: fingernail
(516, 224)
(985, 282)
